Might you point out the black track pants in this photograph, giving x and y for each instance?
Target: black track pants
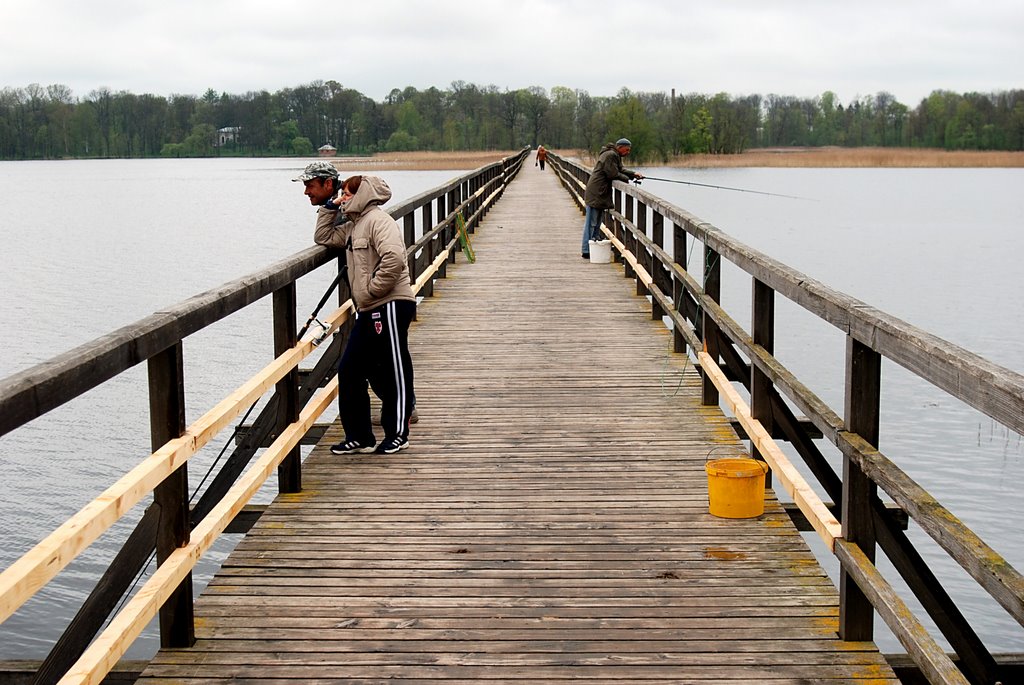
(377, 355)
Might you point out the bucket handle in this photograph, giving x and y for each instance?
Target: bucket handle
(711, 451)
(760, 462)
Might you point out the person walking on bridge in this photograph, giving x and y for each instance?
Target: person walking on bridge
(377, 352)
(598, 195)
(542, 156)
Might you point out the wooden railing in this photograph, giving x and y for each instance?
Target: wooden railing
(182, 533)
(640, 227)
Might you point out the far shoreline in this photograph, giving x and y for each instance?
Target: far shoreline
(779, 157)
(824, 157)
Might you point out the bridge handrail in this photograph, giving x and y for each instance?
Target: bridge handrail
(39, 389)
(32, 571)
(990, 388)
(31, 393)
(996, 391)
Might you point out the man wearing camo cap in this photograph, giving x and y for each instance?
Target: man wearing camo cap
(321, 181)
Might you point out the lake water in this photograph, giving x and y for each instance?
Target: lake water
(89, 246)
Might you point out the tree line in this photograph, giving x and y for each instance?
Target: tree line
(50, 122)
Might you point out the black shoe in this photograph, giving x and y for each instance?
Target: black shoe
(352, 447)
(391, 446)
(586, 256)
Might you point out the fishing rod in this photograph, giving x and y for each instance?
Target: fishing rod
(708, 185)
(323, 300)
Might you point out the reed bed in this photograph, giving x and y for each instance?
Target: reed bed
(868, 157)
(871, 157)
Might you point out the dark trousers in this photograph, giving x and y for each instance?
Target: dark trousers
(377, 356)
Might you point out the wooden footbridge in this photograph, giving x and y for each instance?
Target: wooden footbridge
(550, 520)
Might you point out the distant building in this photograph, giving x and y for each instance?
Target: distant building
(327, 150)
(228, 134)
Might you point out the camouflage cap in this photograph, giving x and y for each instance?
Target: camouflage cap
(321, 169)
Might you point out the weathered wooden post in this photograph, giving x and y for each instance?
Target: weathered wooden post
(472, 203)
(453, 202)
(624, 206)
(289, 471)
(762, 328)
(678, 291)
(643, 255)
(863, 393)
(167, 422)
(709, 329)
(657, 270)
(433, 219)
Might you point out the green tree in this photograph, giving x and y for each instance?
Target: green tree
(465, 125)
(512, 116)
(560, 130)
(1016, 126)
(172, 150)
(535, 105)
(729, 125)
(700, 139)
(302, 146)
(933, 116)
(828, 121)
(409, 120)
(786, 121)
(284, 133)
(964, 128)
(628, 118)
(401, 141)
(41, 122)
(200, 142)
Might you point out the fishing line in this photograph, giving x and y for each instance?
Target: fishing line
(669, 352)
(664, 370)
(708, 185)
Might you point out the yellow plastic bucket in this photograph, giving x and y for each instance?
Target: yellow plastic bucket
(736, 487)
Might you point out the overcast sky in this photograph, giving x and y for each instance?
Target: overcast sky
(740, 47)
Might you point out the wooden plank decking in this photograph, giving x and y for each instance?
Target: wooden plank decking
(549, 521)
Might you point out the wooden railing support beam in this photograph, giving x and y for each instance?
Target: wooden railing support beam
(289, 471)
(863, 397)
(762, 329)
(678, 288)
(713, 290)
(167, 422)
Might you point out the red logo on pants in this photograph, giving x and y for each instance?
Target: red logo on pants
(378, 326)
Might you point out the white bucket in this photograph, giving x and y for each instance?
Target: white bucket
(601, 251)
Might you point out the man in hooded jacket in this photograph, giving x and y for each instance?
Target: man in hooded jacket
(377, 352)
(598, 195)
